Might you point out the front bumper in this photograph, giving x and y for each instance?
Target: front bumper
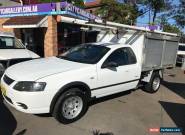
(28, 102)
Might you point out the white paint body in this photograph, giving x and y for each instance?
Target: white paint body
(57, 73)
(8, 54)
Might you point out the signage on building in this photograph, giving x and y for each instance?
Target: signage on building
(77, 11)
(27, 10)
(62, 8)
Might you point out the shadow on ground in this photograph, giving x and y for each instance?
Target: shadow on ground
(97, 132)
(44, 115)
(8, 123)
(176, 112)
(178, 88)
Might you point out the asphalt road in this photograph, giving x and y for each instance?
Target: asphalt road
(127, 113)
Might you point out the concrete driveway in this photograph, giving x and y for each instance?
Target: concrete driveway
(127, 113)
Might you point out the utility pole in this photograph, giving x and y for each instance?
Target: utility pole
(149, 16)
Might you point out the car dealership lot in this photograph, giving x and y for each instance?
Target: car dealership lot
(131, 113)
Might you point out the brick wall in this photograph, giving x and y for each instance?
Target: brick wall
(2, 20)
(17, 32)
(50, 39)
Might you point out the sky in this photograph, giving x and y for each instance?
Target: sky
(143, 21)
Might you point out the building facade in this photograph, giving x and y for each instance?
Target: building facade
(86, 2)
(45, 32)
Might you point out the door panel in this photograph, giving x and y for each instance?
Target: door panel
(117, 79)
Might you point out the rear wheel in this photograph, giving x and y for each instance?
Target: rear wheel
(71, 106)
(154, 84)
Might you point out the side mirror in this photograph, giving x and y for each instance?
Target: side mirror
(110, 65)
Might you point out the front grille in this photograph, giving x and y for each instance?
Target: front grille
(8, 80)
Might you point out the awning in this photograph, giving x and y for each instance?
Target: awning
(26, 22)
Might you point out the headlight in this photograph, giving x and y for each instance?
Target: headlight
(30, 86)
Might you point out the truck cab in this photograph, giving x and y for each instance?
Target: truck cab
(13, 51)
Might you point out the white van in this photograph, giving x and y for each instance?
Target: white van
(12, 51)
(181, 54)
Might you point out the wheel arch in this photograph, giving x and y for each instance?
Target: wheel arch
(83, 86)
(146, 76)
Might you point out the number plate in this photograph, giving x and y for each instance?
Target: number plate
(3, 89)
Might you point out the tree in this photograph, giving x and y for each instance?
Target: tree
(171, 28)
(166, 26)
(118, 12)
(155, 6)
(179, 14)
(78, 3)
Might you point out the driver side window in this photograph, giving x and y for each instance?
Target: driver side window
(122, 56)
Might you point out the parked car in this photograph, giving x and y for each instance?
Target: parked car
(12, 51)
(181, 54)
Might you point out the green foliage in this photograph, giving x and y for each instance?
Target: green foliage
(78, 3)
(167, 27)
(118, 12)
(179, 14)
(171, 28)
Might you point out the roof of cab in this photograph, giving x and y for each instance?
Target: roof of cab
(110, 44)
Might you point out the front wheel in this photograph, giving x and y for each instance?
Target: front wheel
(71, 106)
(154, 84)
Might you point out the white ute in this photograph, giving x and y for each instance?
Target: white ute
(64, 85)
(12, 51)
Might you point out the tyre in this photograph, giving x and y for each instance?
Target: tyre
(70, 106)
(154, 84)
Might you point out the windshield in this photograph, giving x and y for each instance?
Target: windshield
(85, 53)
(181, 48)
(10, 43)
